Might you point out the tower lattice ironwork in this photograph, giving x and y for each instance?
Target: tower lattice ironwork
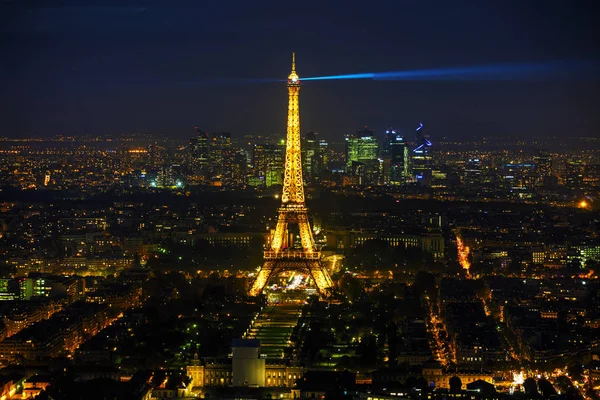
(284, 255)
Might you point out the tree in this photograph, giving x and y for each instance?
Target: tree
(455, 384)
(573, 267)
(424, 284)
(546, 388)
(530, 387)
(421, 383)
(411, 382)
(480, 268)
(392, 339)
(575, 369)
(136, 260)
(367, 351)
(351, 287)
(374, 254)
(515, 266)
(593, 265)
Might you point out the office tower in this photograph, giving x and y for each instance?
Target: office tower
(473, 176)
(361, 146)
(518, 176)
(34, 286)
(362, 161)
(164, 177)
(260, 159)
(395, 158)
(422, 161)
(220, 158)
(267, 160)
(575, 174)
(324, 154)
(314, 157)
(284, 254)
(542, 165)
(199, 148)
(7, 291)
(311, 157)
(239, 168)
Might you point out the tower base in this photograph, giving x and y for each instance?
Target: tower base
(309, 267)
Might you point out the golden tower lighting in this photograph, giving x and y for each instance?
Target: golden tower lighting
(293, 210)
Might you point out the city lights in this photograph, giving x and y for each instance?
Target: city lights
(454, 258)
(463, 254)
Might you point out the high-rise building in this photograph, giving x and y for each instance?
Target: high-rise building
(199, 148)
(240, 169)
(268, 161)
(34, 286)
(362, 151)
(324, 152)
(314, 157)
(310, 157)
(575, 174)
(171, 176)
(422, 160)
(395, 158)
(542, 165)
(7, 292)
(361, 146)
(473, 176)
(517, 177)
(220, 158)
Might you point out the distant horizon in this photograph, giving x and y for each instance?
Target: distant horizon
(340, 136)
(533, 144)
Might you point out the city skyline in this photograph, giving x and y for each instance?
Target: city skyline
(143, 68)
(184, 248)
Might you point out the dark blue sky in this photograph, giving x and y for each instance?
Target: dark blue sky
(109, 67)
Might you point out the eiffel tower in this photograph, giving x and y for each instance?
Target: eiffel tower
(283, 255)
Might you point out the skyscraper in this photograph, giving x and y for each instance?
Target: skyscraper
(199, 148)
(221, 158)
(395, 158)
(239, 168)
(361, 146)
(473, 176)
(362, 150)
(422, 159)
(312, 156)
(575, 174)
(324, 153)
(267, 160)
(542, 165)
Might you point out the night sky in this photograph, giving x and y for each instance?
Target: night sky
(112, 67)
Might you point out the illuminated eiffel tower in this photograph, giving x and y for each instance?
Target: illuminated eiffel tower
(284, 255)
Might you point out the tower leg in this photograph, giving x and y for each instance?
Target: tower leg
(321, 277)
(280, 231)
(306, 234)
(261, 279)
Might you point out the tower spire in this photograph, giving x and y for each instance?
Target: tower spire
(293, 61)
(293, 78)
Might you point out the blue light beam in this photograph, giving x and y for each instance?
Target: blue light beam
(486, 72)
